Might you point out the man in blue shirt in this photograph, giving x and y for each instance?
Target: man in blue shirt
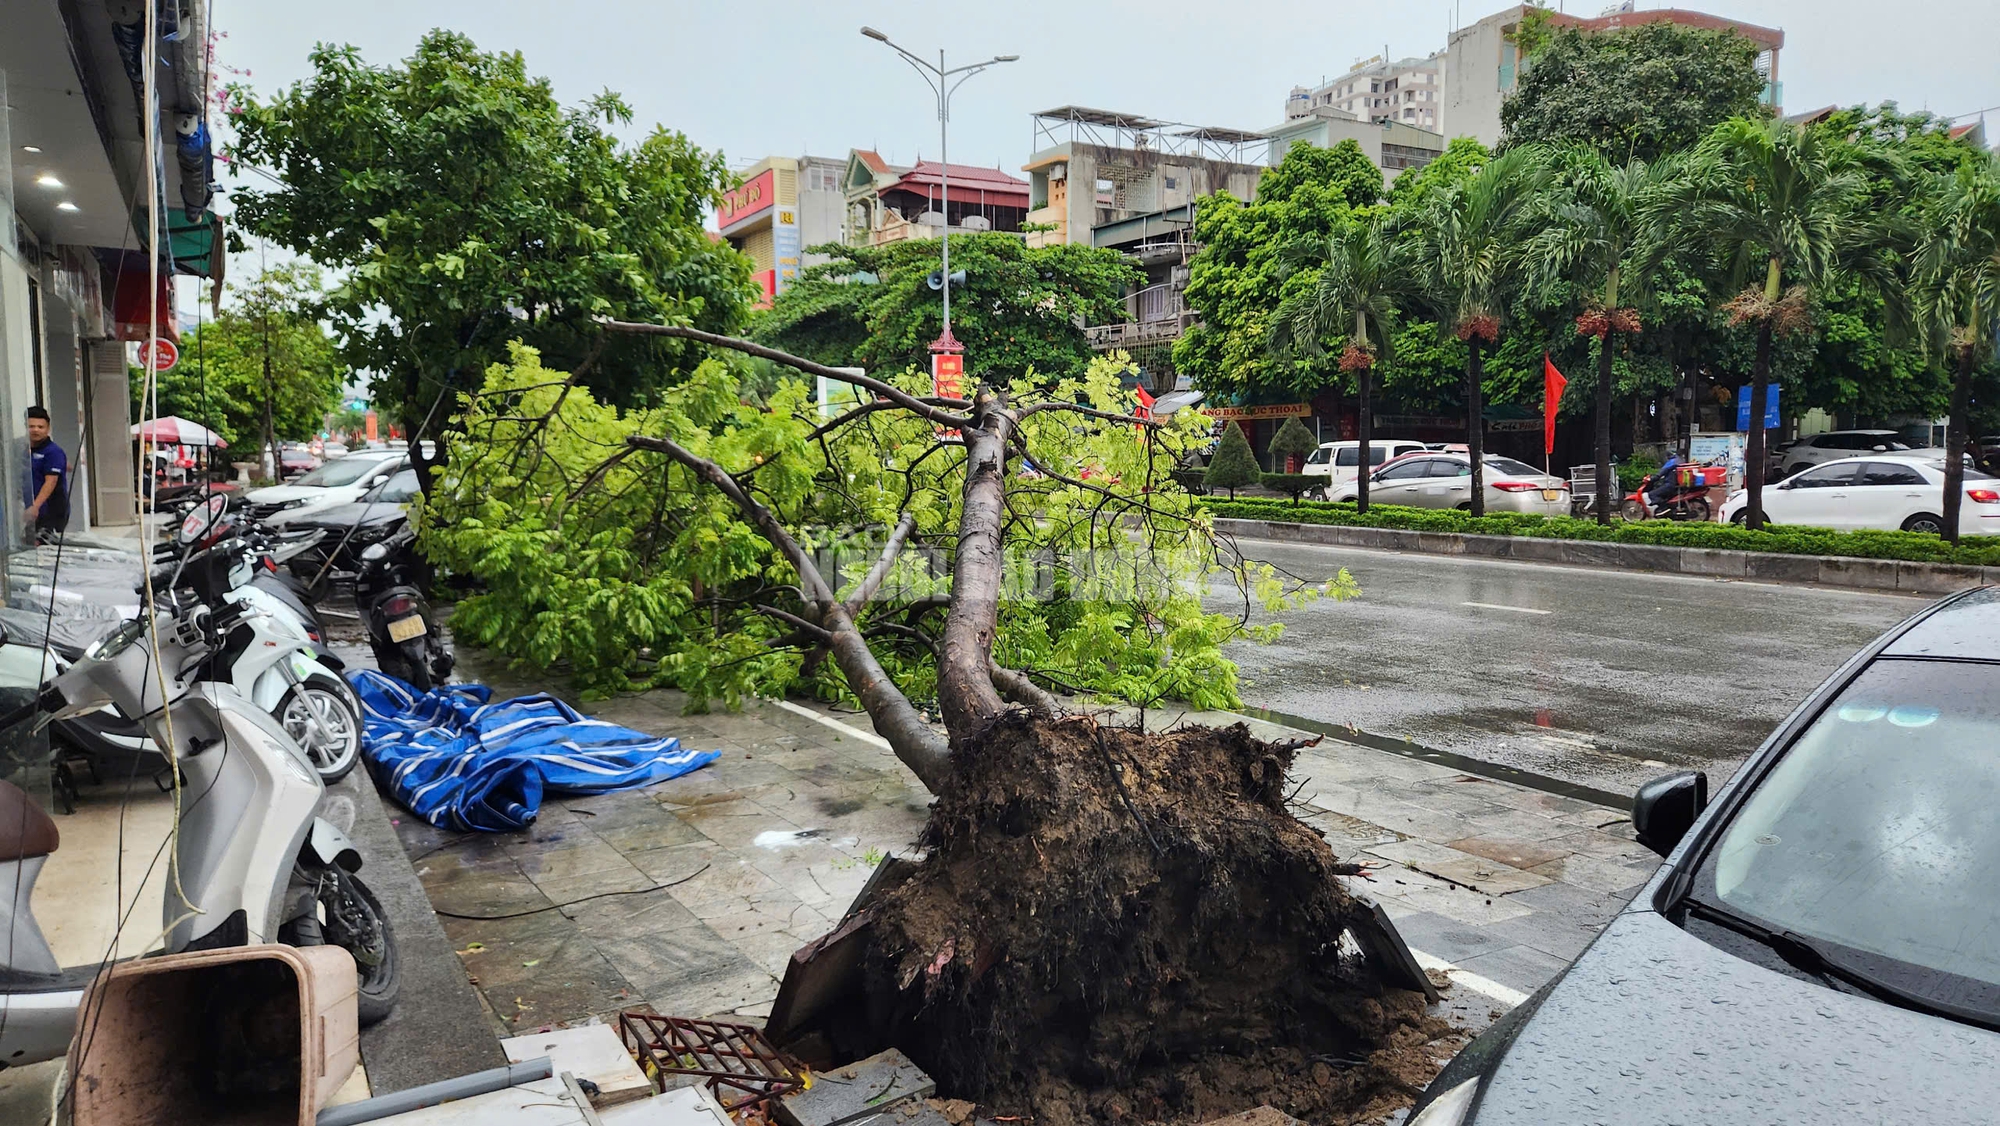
(45, 492)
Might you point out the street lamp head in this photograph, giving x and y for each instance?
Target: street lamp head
(875, 35)
(1006, 58)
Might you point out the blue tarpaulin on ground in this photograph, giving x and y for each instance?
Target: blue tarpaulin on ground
(463, 763)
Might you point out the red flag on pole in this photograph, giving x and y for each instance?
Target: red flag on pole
(1552, 395)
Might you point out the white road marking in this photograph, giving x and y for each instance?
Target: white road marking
(1505, 994)
(1584, 744)
(868, 737)
(1514, 609)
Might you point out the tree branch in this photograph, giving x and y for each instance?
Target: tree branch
(913, 740)
(817, 633)
(1112, 416)
(1018, 689)
(872, 581)
(902, 398)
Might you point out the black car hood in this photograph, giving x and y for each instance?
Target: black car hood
(1653, 1025)
(341, 517)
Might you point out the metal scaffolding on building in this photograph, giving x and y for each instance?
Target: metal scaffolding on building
(1114, 130)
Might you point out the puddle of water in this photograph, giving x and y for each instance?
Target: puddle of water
(777, 839)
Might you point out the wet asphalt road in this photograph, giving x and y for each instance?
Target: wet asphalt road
(1596, 678)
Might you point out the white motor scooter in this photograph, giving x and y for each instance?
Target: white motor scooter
(254, 863)
(276, 666)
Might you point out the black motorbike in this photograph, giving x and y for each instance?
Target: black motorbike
(390, 582)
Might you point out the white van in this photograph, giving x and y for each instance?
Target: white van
(1338, 462)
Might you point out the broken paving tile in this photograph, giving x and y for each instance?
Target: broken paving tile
(856, 1091)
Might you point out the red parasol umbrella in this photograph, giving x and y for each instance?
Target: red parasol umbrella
(175, 431)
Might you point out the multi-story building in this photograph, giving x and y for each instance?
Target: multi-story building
(887, 203)
(77, 244)
(1095, 167)
(1394, 146)
(1483, 60)
(780, 206)
(1407, 91)
(1124, 182)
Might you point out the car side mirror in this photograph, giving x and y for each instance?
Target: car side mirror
(1881, 449)
(1664, 809)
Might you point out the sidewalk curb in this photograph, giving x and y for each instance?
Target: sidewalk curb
(1824, 570)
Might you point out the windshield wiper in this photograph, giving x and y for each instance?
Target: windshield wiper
(1808, 956)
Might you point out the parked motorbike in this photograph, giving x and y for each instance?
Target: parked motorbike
(1686, 502)
(253, 862)
(389, 592)
(282, 665)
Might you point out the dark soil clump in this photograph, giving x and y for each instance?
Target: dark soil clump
(1116, 926)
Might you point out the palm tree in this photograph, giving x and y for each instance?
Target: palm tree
(1786, 198)
(1591, 229)
(1467, 248)
(1958, 298)
(1362, 272)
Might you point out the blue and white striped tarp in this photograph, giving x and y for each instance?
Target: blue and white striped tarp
(462, 763)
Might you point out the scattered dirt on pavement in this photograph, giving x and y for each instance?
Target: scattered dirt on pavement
(1113, 926)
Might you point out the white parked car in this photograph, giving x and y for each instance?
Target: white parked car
(1340, 462)
(1443, 480)
(340, 481)
(1836, 444)
(1885, 492)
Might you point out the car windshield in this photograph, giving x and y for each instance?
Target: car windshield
(1877, 829)
(346, 471)
(1509, 465)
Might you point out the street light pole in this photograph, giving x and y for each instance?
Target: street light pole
(939, 79)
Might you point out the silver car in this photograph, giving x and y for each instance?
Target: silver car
(1442, 480)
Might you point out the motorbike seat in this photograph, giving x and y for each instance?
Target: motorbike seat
(26, 830)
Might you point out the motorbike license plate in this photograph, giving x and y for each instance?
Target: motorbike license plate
(1552, 494)
(403, 629)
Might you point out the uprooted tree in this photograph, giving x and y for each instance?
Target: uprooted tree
(1108, 921)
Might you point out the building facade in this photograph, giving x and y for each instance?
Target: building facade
(1394, 146)
(889, 203)
(1483, 61)
(77, 243)
(1407, 91)
(780, 206)
(1094, 168)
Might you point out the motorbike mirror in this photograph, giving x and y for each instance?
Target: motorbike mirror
(1664, 809)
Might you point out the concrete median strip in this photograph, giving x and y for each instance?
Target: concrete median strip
(1822, 570)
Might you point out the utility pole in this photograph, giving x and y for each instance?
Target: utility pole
(942, 87)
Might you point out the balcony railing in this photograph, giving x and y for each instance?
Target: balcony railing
(1156, 314)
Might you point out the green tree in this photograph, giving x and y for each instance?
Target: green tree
(1789, 201)
(1590, 229)
(1241, 275)
(1634, 94)
(1234, 464)
(1021, 308)
(1958, 272)
(264, 370)
(1358, 277)
(1460, 161)
(1466, 245)
(464, 209)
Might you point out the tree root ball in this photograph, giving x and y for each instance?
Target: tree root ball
(1112, 925)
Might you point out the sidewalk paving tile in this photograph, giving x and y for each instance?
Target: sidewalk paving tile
(1596, 874)
(1444, 937)
(1519, 854)
(1521, 967)
(1489, 877)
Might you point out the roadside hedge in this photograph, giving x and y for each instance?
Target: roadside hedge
(1912, 547)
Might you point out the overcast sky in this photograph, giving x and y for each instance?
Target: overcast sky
(788, 77)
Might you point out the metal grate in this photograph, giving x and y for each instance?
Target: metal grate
(743, 1070)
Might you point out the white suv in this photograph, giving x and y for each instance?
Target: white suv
(1836, 444)
(1339, 461)
(340, 481)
